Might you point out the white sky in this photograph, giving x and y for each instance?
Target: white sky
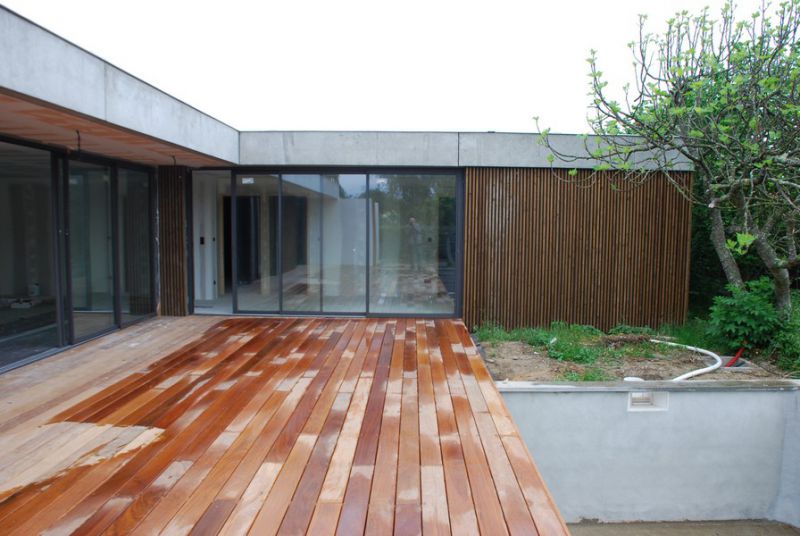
(367, 65)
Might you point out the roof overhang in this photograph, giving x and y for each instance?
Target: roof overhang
(28, 119)
(56, 93)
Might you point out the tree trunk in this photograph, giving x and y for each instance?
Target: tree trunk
(779, 273)
(724, 254)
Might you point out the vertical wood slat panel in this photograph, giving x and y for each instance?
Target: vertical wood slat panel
(540, 248)
(172, 240)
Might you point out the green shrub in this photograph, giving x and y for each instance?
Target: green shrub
(747, 317)
(786, 342)
(491, 332)
(533, 336)
(567, 350)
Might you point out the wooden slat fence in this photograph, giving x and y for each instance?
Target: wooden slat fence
(540, 248)
(172, 240)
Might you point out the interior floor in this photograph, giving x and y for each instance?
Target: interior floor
(396, 290)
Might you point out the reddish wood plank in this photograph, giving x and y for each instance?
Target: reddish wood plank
(291, 426)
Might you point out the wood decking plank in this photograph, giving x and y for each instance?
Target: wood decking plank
(245, 428)
(380, 511)
(353, 514)
(460, 505)
(271, 425)
(191, 438)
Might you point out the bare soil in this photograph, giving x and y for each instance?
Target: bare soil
(520, 361)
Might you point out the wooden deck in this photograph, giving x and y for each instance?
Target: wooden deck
(209, 425)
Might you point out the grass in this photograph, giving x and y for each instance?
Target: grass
(693, 333)
(495, 333)
(584, 345)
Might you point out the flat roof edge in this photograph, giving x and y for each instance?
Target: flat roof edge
(422, 149)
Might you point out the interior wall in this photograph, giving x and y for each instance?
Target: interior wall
(205, 227)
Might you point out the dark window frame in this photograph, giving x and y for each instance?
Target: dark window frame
(60, 159)
(279, 171)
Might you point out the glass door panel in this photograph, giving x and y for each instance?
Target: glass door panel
(344, 245)
(258, 287)
(28, 295)
(413, 244)
(90, 243)
(301, 243)
(211, 246)
(134, 243)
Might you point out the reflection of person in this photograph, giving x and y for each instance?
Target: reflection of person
(415, 243)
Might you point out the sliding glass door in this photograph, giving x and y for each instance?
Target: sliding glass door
(301, 243)
(76, 249)
(326, 243)
(28, 289)
(414, 238)
(134, 239)
(344, 244)
(91, 249)
(257, 281)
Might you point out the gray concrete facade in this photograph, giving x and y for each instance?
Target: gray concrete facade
(715, 452)
(410, 149)
(37, 63)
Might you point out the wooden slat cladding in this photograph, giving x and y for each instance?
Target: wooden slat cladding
(541, 248)
(172, 239)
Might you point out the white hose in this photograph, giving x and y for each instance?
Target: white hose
(697, 372)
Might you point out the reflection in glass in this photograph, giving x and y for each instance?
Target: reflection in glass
(211, 215)
(91, 263)
(344, 243)
(301, 242)
(27, 293)
(134, 243)
(412, 244)
(256, 242)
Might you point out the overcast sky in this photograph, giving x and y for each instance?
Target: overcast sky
(372, 65)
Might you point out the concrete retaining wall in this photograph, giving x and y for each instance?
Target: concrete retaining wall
(712, 451)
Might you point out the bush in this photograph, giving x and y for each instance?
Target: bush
(566, 350)
(747, 317)
(787, 342)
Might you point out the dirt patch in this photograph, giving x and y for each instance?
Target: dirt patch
(517, 361)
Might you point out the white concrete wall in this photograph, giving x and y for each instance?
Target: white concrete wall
(714, 454)
(204, 214)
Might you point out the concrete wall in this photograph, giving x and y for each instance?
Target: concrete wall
(443, 149)
(715, 452)
(38, 63)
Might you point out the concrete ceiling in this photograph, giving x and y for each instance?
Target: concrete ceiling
(37, 121)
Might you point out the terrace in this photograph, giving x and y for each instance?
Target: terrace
(264, 425)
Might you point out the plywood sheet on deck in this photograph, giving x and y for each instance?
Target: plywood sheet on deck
(270, 425)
